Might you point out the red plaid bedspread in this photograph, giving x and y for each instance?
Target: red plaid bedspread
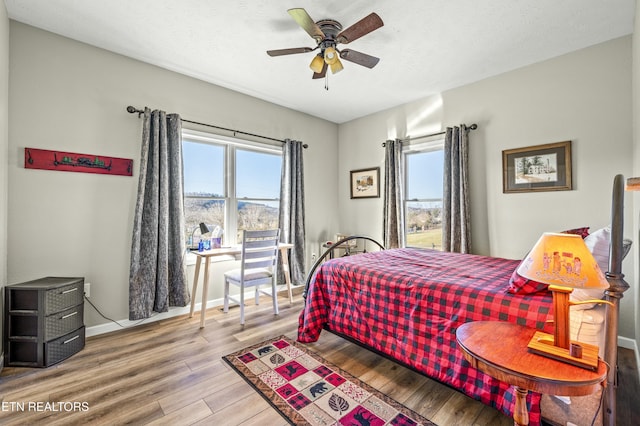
(408, 303)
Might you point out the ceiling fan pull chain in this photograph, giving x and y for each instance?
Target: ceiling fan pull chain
(326, 81)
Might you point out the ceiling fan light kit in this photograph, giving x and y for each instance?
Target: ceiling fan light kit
(336, 66)
(328, 34)
(330, 55)
(317, 64)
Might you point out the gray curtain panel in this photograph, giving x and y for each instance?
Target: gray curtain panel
(292, 228)
(157, 276)
(456, 231)
(393, 214)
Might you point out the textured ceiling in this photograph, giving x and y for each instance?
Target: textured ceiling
(425, 46)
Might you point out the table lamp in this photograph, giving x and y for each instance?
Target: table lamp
(564, 262)
(204, 229)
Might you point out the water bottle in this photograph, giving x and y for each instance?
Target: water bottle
(201, 246)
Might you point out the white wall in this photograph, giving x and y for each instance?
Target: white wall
(635, 196)
(69, 96)
(584, 97)
(4, 143)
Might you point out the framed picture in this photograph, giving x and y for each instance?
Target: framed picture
(365, 183)
(537, 168)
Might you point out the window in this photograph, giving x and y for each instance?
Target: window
(230, 183)
(257, 190)
(423, 194)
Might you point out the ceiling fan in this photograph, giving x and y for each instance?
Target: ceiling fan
(328, 34)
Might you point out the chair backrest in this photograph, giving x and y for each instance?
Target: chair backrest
(260, 249)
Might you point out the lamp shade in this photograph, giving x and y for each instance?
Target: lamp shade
(330, 55)
(336, 66)
(204, 229)
(317, 64)
(563, 260)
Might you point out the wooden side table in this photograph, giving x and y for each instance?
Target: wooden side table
(499, 349)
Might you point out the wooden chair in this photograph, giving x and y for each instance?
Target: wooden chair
(258, 266)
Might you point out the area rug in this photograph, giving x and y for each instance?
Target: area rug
(308, 390)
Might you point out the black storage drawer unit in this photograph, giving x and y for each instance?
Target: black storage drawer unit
(43, 321)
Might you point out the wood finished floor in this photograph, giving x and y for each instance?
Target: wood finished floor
(171, 372)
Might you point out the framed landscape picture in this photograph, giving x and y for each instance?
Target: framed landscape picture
(365, 183)
(537, 168)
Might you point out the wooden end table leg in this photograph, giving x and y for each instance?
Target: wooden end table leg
(520, 413)
(195, 285)
(205, 289)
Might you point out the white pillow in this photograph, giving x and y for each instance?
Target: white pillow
(598, 244)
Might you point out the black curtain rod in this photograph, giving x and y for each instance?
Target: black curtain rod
(133, 110)
(474, 126)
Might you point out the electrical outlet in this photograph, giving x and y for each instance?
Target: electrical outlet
(87, 289)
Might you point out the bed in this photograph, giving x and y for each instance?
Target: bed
(407, 304)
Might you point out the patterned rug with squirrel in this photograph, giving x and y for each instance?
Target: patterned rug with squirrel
(307, 390)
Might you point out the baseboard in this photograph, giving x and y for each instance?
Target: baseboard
(625, 342)
(173, 312)
(126, 323)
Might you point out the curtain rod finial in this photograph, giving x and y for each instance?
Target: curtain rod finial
(132, 110)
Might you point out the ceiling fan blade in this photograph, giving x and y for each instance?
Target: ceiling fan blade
(304, 20)
(322, 73)
(280, 52)
(359, 58)
(360, 28)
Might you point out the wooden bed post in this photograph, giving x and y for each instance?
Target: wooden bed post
(617, 286)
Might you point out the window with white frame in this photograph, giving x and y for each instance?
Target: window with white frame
(231, 183)
(424, 164)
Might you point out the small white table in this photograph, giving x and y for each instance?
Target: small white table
(208, 254)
